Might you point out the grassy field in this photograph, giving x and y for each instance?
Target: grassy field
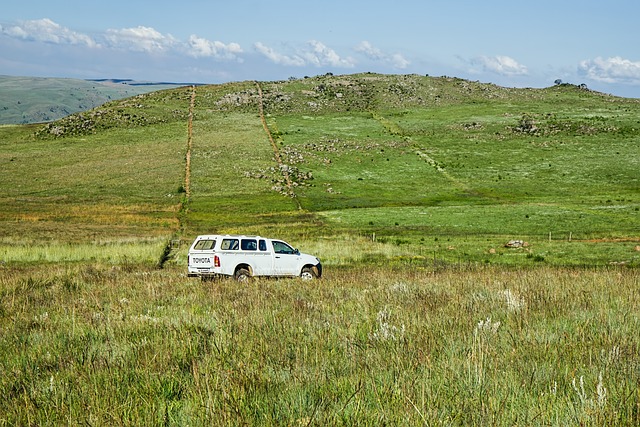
(406, 187)
(432, 165)
(109, 191)
(93, 344)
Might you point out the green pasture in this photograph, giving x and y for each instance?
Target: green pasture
(410, 161)
(116, 183)
(111, 195)
(557, 167)
(233, 173)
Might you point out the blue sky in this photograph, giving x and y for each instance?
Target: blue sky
(512, 43)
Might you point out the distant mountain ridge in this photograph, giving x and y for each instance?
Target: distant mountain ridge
(132, 82)
(25, 100)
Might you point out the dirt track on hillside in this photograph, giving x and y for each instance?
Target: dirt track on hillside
(187, 174)
(276, 153)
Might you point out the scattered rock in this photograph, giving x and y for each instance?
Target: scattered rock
(618, 263)
(516, 244)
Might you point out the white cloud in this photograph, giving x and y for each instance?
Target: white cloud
(396, 60)
(399, 61)
(611, 70)
(45, 30)
(322, 55)
(315, 53)
(371, 52)
(278, 58)
(503, 65)
(201, 47)
(140, 39)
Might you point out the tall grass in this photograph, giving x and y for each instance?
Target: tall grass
(98, 345)
(136, 251)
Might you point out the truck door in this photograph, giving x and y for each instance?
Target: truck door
(285, 259)
(255, 254)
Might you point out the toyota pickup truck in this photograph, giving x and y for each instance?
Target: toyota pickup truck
(244, 257)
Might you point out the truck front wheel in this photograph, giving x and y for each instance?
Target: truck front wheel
(308, 273)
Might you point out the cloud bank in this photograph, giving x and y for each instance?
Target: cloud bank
(200, 47)
(147, 40)
(501, 65)
(313, 53)
(145, 51)
(395, 60)
(47, 31)
(139, 39)
(611, 70)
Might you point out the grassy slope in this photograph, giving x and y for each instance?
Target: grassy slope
(116, 185)
(441, 168)
(443, 159)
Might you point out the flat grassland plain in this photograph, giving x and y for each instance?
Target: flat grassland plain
(407, 188)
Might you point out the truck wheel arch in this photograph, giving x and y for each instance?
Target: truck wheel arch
(243, 273)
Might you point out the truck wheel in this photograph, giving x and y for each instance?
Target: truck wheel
(308, 274)
(242, 275)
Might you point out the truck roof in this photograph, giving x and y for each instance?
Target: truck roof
(213, 236)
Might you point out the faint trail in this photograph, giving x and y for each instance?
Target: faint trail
(174, 242)
(394, 129)
(283, 168)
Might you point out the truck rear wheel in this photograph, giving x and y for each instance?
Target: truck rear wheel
(242, 275)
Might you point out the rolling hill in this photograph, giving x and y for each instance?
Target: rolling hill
(432, 167)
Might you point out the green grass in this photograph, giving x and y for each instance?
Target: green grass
(134, 251)
(412, 159)
(102, 345)
(118, 183)
(460, 164)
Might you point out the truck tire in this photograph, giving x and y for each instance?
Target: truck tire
(242, 275)
(308, 273)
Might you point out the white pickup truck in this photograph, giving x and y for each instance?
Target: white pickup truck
(246, 256)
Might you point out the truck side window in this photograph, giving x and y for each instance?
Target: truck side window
(263, 245)
(282, 248)
(229, 245)
(248, 245)
(204, 245)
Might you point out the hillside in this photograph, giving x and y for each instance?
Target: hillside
(26, 100)
(424, 168)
